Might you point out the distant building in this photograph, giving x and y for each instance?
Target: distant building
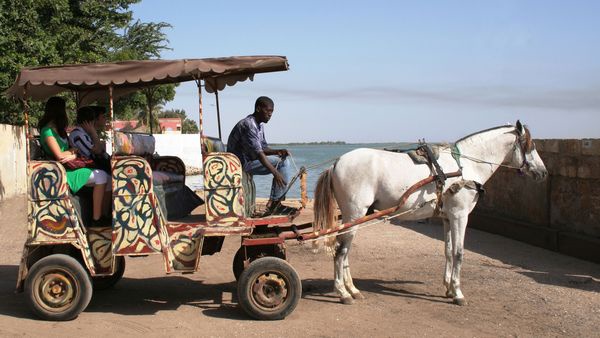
(171, 125)
(168, 125)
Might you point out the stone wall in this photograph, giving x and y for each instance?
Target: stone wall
(560, 214)
(12, 161)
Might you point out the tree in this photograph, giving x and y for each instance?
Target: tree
(142, 41)
(45, 32)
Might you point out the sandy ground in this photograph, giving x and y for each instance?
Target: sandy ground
(512, 289)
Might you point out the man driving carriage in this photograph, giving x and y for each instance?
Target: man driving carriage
(247, 141)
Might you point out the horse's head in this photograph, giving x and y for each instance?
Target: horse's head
(526, 157)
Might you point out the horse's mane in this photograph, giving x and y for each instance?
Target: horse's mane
(484, 131)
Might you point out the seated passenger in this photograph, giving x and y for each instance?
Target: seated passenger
(85, 137)
(53, 138)
(247, 141)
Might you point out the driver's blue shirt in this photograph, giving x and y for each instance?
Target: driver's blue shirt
(247, 139)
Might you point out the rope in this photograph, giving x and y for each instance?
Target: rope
(478, 160)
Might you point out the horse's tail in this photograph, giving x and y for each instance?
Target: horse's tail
(325, 209)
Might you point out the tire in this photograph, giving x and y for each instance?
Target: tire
(238, 263)
(269, 289)
(58, 288)
(254, 253)
(107, 282)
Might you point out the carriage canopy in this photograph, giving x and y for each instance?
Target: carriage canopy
(90, 81)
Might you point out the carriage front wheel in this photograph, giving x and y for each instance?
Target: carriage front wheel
(269, 289)
(58, 288)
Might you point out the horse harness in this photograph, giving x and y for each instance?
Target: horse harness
(424, 151)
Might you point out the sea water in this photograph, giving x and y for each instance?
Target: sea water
(304, 155)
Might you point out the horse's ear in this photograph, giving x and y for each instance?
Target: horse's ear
(520, 127)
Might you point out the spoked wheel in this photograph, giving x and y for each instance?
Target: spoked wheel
(269, 289)
(58, 288)
(107, 282)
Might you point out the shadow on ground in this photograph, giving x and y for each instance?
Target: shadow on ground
(137, 297)
(541, 265)
(321, 290)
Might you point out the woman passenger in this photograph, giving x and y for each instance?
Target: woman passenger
(53, 137)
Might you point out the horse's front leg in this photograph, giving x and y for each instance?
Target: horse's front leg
(448, 253)
(458, 225)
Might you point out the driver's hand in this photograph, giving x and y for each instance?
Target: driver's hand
(283, 153)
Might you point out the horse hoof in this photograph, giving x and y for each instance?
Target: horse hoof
(358, 295)
(347, 300)
(460, 301)
(449, 294)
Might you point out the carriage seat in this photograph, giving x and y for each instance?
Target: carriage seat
(36, 152)
(143, 145)
(214, 145)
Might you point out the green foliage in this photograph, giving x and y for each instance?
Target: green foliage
(189, 127)
(46, 32)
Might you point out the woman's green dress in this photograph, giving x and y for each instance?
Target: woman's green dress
(75, 178)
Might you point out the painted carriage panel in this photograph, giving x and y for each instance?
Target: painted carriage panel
(185, 244)
(223, 190)
(136, 215)
(170, 164)
(51, 215)
(100, 244)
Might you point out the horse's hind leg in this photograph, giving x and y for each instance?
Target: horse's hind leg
(348, 283)
(340, 261)
(448, 253)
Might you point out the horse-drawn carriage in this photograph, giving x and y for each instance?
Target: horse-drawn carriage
(63, 260)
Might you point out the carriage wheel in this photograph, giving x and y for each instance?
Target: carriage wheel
(269, 289)
(107, 282)
(58, 288)
(254, 253)
(238, 263)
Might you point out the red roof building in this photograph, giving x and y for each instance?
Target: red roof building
(170, 125)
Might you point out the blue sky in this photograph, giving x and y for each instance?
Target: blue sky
(394, 71)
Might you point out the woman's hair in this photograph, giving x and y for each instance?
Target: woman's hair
(55, 111)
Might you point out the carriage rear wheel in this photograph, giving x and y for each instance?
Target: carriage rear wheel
(269, 289)
(58, 288)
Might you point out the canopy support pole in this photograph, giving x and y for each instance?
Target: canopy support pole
(27, 133)
(200, 126)
(28, 157)
(218, 113)
(112, 121)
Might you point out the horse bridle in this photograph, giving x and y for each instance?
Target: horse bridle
(523, 142)
(525, 145)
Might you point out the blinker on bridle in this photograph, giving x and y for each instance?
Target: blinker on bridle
(525, 145)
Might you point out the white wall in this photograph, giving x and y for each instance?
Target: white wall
(184, 146)
(13, 175)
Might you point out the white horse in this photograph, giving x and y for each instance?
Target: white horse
(369, 179)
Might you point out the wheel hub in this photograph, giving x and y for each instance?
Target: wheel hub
(56, 290)
(269, 290)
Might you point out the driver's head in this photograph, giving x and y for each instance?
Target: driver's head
(263, 109)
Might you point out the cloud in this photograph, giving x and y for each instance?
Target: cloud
(497, 96)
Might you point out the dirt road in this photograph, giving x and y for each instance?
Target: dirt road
(512, 289)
